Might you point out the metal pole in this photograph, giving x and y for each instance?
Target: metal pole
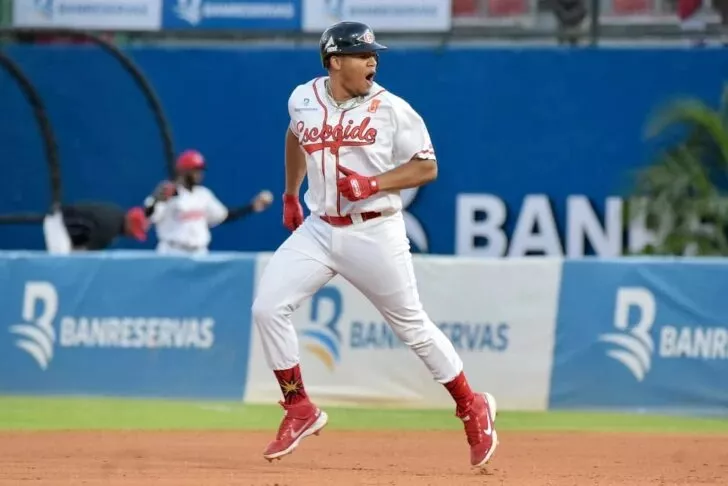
(44, 123)
(594, 22)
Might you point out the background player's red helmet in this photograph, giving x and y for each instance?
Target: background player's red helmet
(190, 160)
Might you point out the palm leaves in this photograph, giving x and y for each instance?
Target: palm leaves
(683, 193)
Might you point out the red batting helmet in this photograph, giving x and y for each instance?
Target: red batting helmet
(190, 160)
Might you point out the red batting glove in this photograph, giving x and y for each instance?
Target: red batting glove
(355, 187)
(292, 212)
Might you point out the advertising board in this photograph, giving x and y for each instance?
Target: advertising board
(88, 14)
(351, 355)
(380, 15)
(124, 326)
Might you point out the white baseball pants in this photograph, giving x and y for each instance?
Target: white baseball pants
(374, 257)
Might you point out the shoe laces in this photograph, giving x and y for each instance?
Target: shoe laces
(473, 426)
(473, 430)
(291, 412)
(286, 422)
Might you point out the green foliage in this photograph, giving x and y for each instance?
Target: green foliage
(683, 192)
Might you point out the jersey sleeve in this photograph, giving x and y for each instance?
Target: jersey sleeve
(411, 139)
(160, 209)
(292, 113)
(216, 211)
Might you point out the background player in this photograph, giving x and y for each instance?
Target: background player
(184, 211)
(94, 225)
(358, 145)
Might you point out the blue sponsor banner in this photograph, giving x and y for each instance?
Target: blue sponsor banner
(125, 325)
(642, 334)
(232, 14)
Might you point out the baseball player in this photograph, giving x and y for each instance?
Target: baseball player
(88, 226)
(359, 145)
(184, 211)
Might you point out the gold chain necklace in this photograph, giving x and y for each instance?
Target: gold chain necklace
(346, 104)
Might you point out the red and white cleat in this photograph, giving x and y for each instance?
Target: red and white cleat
(479, 422)
(299, 421)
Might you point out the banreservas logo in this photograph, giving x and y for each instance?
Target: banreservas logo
(137, 332)
(39, 336)
(44, 7)
(195, 11)
(324, 337)
(703, 342)
(92, 7)
(634, 347)
(465, 336)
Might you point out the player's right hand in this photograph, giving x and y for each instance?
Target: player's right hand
(292, 212)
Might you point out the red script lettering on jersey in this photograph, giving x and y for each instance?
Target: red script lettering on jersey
(191, 215)
(335, 137)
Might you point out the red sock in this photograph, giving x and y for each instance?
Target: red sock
(460, 391)
(291, 385)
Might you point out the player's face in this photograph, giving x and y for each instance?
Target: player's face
(192, 177)
(197, 176)
(357, 73)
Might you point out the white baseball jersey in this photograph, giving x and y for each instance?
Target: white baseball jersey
(380, 132)
(186, 218)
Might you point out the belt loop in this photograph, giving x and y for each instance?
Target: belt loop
(356, 218)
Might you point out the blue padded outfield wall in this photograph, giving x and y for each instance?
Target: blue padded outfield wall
(642, 334)
(125, 326)
(538, 333)
(508, 123)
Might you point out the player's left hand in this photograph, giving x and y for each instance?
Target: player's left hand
(355, 187)
(164, 191)
(262, 201)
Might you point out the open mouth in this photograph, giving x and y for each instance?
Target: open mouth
(370, 77)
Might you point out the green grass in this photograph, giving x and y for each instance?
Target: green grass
(26, 413)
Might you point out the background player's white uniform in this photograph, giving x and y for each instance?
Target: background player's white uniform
(370, 136)
(55, 233)
(183, 221)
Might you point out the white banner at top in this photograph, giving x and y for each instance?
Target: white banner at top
(88, 14)
(380, 15)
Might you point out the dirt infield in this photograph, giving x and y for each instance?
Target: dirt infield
(349, 458)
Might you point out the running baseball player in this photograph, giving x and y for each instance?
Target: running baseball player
(359, 145)
(184, 211)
